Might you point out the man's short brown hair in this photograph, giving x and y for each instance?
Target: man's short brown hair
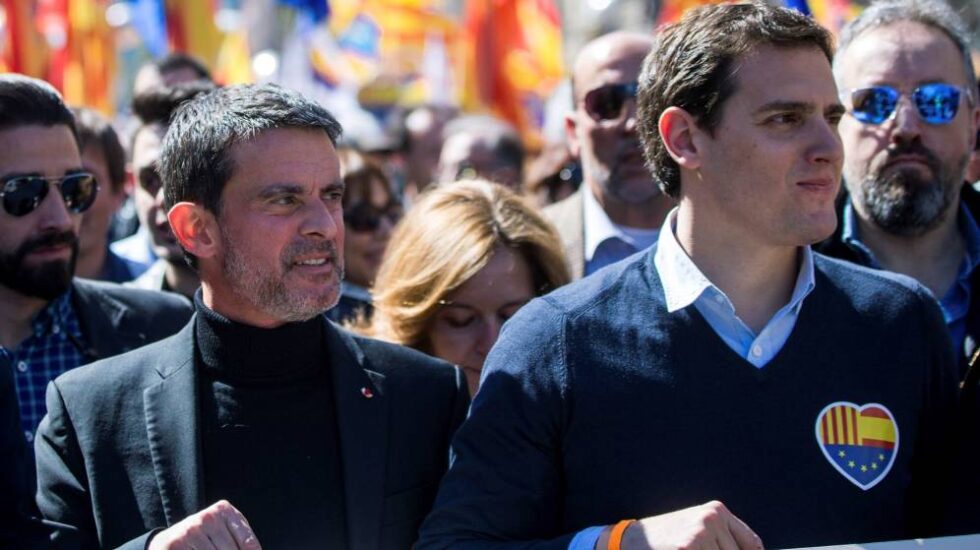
(694, 64)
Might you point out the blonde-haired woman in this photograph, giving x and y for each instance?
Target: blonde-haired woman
(464, 259)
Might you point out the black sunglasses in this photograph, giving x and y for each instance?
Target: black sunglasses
(364, 217)
(606, 102)
(23, 194)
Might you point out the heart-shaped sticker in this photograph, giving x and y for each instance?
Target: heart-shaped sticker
(859, 441)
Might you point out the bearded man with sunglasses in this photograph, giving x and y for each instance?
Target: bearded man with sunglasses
(905, 75)
(618, 209)
(50, 323)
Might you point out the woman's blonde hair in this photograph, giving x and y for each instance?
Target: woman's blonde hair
(444, 240)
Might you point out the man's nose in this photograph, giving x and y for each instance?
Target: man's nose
(321, 221)
(630, 124)
(385, 225)
(906, 123)
(54, 214)
(827, 145)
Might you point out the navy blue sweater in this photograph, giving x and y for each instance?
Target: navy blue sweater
(598, 405)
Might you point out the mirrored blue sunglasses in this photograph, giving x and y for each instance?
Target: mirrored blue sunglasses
(937, 103)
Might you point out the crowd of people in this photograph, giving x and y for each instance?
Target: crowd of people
(733, 309)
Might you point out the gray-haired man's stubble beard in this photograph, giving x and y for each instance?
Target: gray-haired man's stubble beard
(269, 291)
(905, 204)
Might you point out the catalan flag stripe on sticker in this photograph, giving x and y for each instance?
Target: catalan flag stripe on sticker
(860, 442)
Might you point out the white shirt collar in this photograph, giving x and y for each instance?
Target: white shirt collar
(596, 224)
(684, 283)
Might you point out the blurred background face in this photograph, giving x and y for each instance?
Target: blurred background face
(468, 323)
(609, 149)
(369, 216)
(150, 77)
(468, 156)
(96, 220)
(424, 128)
(148, 192)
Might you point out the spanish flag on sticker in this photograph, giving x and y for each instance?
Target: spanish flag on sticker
(859, 441)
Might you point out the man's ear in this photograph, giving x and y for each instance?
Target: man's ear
(129, 184)
(195, 229)
(678, 130)
(574, 147)
(976, 123)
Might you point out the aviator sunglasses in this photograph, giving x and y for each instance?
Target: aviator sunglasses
(937, 103)
(606, 102)
(23, 194)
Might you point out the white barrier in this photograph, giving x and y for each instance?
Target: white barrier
(966, 542)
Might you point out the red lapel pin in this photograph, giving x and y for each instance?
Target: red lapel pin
(367, 393)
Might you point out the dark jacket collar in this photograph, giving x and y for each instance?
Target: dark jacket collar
(104, 320)
(173, 430)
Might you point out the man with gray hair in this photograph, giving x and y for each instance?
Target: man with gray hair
(259, 405)
(904, 73)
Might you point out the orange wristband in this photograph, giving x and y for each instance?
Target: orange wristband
(616, 535)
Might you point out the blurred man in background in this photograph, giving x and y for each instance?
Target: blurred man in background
(104, 157)
(481, 146)
(618, 209)
(168, 270)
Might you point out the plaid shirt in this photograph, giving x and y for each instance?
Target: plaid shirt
(48, 352)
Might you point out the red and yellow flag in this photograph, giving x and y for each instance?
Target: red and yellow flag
(672, 10)
(24, 50)
(191, 28)
(512, 60)
(81, 60)
(234, 61)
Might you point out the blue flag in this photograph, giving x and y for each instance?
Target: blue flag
(150, 20)
(798, 5)
(319, 10)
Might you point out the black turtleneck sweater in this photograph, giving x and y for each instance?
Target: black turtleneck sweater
(269, 429)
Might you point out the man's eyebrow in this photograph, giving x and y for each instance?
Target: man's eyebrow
(782, 106)
(10, 175)
(281, 189)
(835, 109)
(67, 172)
(335, 186)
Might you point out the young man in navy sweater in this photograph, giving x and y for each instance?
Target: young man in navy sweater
(729, 365)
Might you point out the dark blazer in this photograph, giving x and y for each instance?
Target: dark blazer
(568, 218)
(119, 453)
(17, 528)
(115, 319)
